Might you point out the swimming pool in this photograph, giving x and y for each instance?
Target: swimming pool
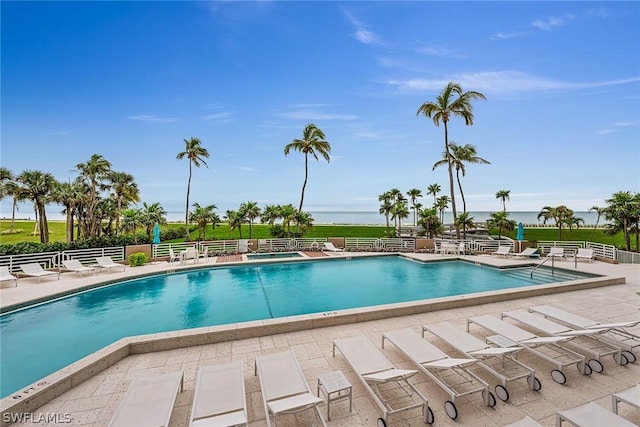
(274, 255)
(39, 340)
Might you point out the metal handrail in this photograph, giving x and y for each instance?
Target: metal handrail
(535, 267)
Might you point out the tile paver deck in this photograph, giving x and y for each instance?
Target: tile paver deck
(94, 401)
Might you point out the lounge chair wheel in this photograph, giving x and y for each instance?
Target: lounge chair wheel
(584, 369)
(502, 392)
(621, 360)
(630, 356)
(381, 423)
(536, 385)
(430, 417)
(489, 400)
(558, 376)
(450, 409)
(596, 366)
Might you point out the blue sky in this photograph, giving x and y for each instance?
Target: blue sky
(131, 80)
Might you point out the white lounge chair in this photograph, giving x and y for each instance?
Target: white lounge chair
(284, 387)
(452, 375)
(585, 340)
(107, 263)
(556, 253)
(584, 253)
(547, 348)
(330, 247)
(77, 267)
(149, 401)
(388, 386)
(219, 398)
(591, 415)
(499, 362)
(35, 270)
(528, 253)
(5, 275)
(616, 332)
(173, 257)
(503, 251)
(630, 396)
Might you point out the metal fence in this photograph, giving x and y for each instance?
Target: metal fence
(53, 260)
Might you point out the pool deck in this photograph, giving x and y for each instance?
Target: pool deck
(92, 397)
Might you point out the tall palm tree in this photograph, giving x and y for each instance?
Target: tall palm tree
(452, 101)
(413, 194)
(39, 186)
(195, 153)
(252, 211)
(151, 215)
(270, 214)
(125, 190)
(458, 156)
(312, 142)
(94, 173)
(504, 195)
(434, 189)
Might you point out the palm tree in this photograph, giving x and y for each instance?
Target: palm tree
(465, 220)
(130, 221)
(196, 153)
(458, 156)
(559, 214)
(94, 173)
(434, 189)
(151, 215)
(501, 221)
(413, 194)
(125, 190)
(452, 101)
(385, 208)
(600, 211)
(202, 216)
(288, 213)
(441, 204)
(68, 195)
(39, 186)
(504, 195)
(399, 211)
(312, 142)
(623, 208)
(10, 187)
(430, 222)
(270, 214)
(252, 211)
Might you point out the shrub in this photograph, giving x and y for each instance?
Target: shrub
(138, 259)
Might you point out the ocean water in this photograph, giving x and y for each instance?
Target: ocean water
(375, 218)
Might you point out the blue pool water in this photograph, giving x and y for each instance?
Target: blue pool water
(41, 339)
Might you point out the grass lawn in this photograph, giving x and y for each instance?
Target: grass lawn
(261, 231)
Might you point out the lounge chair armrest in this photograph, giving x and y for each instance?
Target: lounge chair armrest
(614, 325)
(546, 340)
(390, 374)
(581, 332)
(450, 363)
(495, 351)
(294, 403)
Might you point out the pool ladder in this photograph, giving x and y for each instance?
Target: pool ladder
(553, 267)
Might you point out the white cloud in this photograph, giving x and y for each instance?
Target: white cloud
(625, 124)
(549, 23)
(221, 117)
(605, 131)
(500, 82)
(362, 34)
(310, 114)
(152, 119)
(506, 36)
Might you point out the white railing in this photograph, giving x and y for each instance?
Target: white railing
(625, 257)
(571, 247)
(53, 260)
(276, 245)
(310, 243)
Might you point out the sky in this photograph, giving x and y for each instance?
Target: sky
(132, 80)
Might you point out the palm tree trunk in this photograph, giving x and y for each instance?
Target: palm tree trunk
(464, 202)
(451, 187)
(186, 211)
(13, 213)
(304, 185)
(69, 225)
